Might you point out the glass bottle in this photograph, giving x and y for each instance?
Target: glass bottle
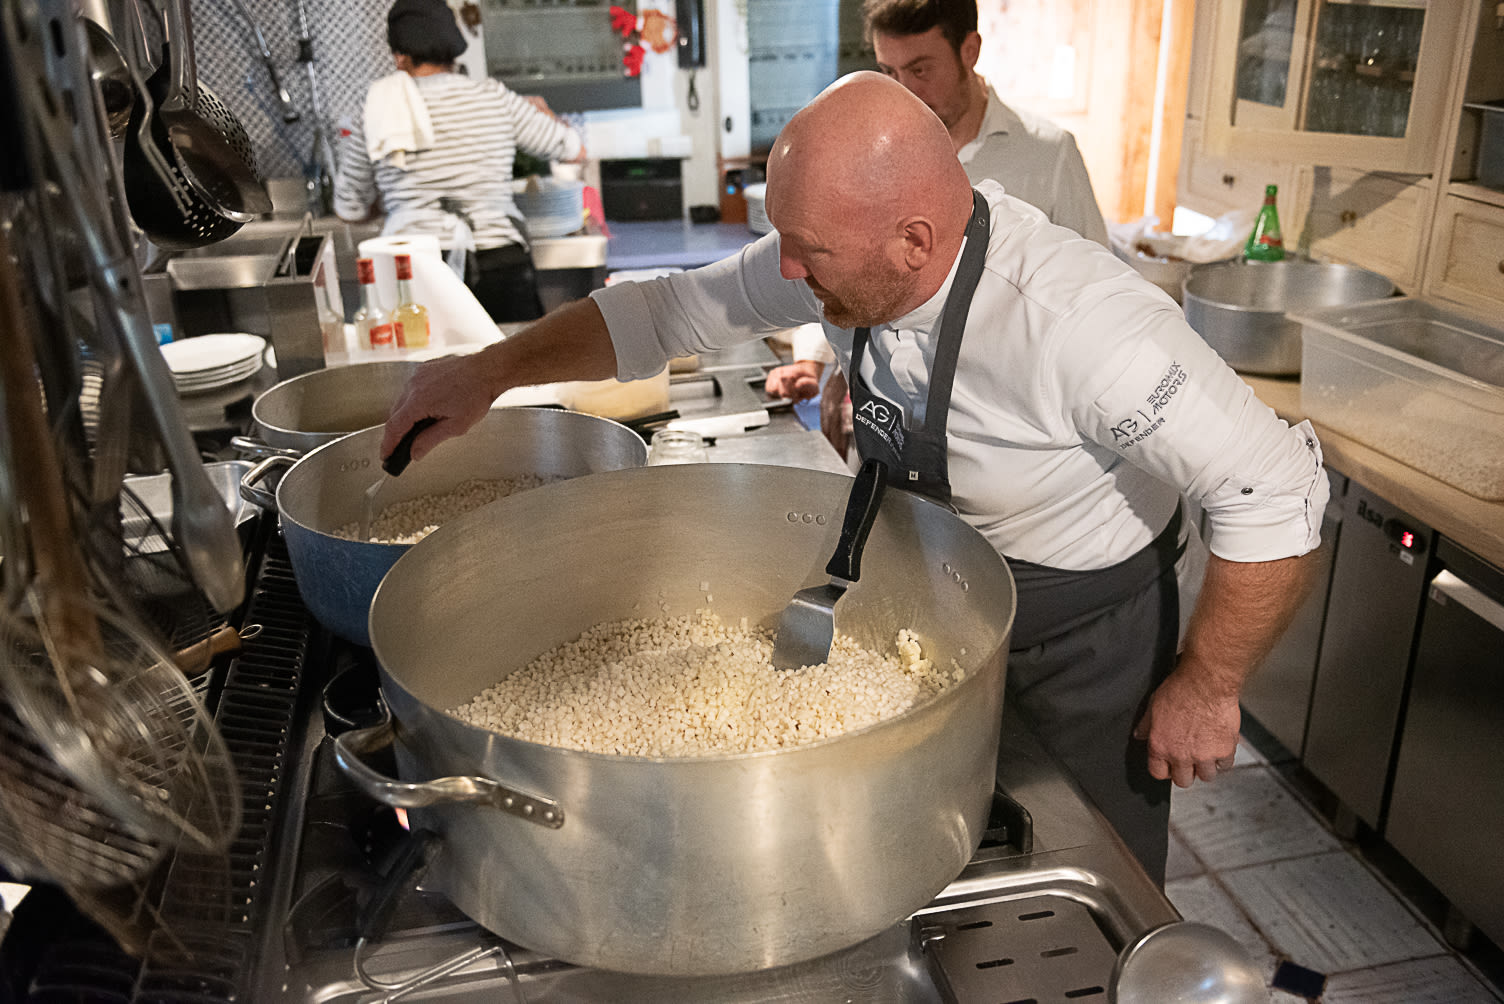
(1264, 241)
(373, 326)
(411, 318)
(331, 325)
(677, 446)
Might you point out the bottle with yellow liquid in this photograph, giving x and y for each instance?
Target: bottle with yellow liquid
(411, 318)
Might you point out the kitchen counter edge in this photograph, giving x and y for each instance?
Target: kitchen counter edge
(1476, 524)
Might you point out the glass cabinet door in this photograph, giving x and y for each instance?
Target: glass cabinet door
(1356, 83)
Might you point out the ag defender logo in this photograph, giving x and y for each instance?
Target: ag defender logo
(883, 419)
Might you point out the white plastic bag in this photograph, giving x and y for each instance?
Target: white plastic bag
(461, 244)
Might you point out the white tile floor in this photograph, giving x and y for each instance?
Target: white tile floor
(1249, 855)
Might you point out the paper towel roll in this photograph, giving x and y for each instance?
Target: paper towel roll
(455, 316)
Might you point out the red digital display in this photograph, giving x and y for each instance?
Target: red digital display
(1407, 539)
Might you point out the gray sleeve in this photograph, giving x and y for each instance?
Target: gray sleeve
(355, 181)
(538, 134)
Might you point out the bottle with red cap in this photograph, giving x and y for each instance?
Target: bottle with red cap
(374, 327)
(411, 318)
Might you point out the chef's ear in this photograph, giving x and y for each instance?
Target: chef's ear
(918, 236)
(970, 50)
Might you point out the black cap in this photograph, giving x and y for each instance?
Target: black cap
(424, 31)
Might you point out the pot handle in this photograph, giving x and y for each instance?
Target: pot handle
(249, 446)
(400, 794)
(253, 493)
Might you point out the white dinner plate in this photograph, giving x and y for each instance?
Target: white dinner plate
(212, 352)
(198, 384)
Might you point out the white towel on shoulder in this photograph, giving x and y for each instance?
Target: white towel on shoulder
(396, 119)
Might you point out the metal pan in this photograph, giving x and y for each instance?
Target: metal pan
(716, 864)
(325, 491)
(316, 408)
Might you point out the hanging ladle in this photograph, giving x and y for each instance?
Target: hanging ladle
(111, 76)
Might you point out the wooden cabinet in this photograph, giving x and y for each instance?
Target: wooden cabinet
(1398, 197)
(1371, 220)
(1332, 82)
(1467, 262)
(1215, 185)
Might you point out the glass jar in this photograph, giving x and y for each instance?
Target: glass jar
(677, 446)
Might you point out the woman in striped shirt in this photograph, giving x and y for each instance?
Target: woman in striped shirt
(437, 148)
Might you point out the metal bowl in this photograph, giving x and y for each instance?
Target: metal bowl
(1240, 309)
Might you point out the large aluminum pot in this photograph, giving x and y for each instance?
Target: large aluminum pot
(325, 490)
(315, 408)
(693, 865)
(1240, 308)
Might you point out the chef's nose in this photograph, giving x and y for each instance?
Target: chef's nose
(790, 268)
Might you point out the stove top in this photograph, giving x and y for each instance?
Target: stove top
(1039, 914)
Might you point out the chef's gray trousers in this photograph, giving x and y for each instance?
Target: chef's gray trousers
(1084, 692)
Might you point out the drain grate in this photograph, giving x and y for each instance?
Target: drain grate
(1035, 950)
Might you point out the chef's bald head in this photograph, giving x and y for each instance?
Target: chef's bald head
(868, 160)
(867, 138)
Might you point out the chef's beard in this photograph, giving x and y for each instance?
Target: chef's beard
(878, 301)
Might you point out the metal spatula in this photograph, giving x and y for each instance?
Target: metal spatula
(808, 626)
(392, 466)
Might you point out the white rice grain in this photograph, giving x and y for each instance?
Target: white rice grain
(692, 686)
(409, 522)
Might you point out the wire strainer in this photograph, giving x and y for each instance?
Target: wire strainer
(126, 727)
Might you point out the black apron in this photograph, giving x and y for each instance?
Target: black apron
(1088, 647)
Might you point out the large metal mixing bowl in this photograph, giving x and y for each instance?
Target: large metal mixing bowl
(1240, 308)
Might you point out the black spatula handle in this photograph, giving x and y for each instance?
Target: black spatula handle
(402, 454)
(861, 513)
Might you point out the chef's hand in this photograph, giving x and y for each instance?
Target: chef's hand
(454, 390)
(798, 381)
(1192, 732)
(835, 413)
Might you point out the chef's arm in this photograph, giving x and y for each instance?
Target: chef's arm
(570, 343)
(1242, 610)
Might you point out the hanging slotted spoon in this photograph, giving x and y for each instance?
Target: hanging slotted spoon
(808, 625)
(208, 141)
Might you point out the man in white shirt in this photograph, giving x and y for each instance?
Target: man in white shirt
(931, 47)
(1026, 377)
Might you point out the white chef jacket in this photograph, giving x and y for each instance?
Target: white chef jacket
(1036, 161)
(1083, 404)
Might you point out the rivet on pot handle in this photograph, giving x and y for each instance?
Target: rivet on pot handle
(403, 795)
(252, 492)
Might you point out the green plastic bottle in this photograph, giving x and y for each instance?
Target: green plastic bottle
(1264, 241)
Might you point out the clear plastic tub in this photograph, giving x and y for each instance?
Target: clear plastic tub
(1412, 379)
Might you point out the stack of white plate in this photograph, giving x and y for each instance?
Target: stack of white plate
(553, 206)
(757, 213)
(209, 362)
